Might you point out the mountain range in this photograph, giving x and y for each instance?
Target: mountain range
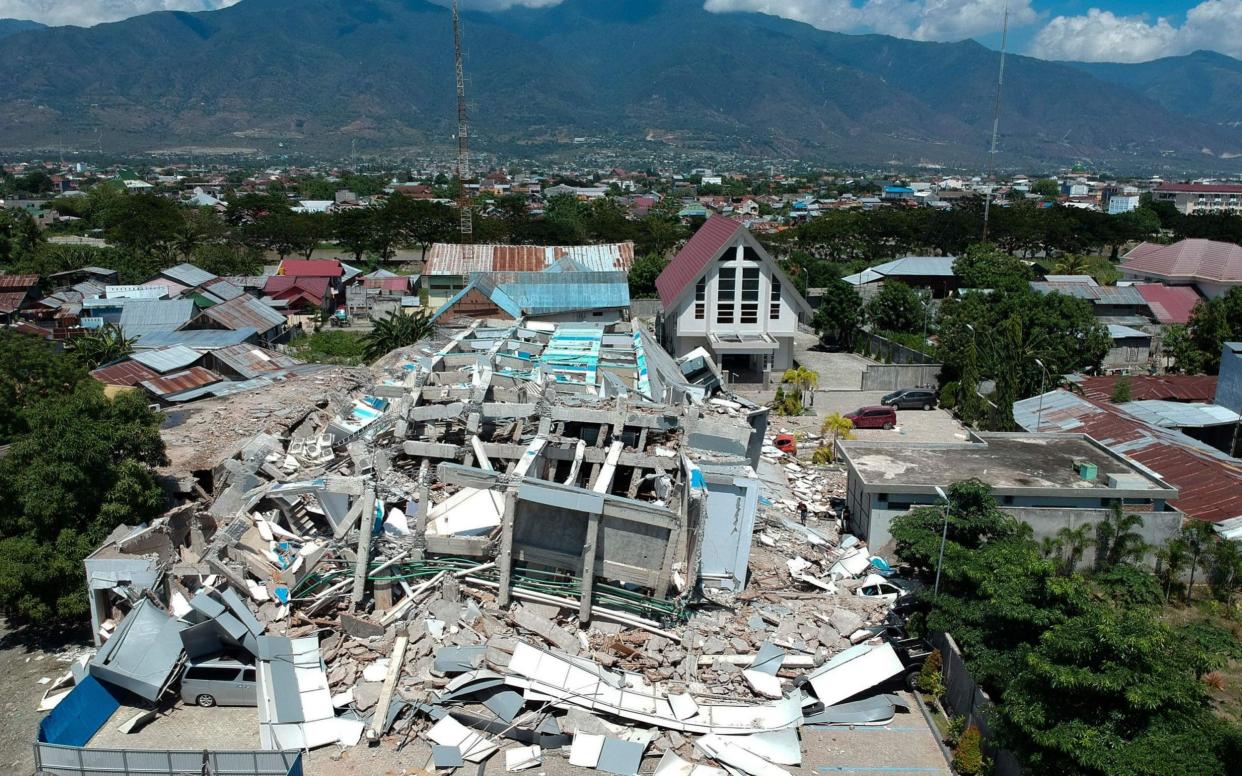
(321, 75)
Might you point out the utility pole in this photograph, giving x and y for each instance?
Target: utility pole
(463, 134)
(1000, 83)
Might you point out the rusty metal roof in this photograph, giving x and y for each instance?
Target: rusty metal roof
(18, 282)
(128, 373)
(12, 301)
(1209, 482)
(1152, 387)
(245, 312)
(195, 377)
(462, 260)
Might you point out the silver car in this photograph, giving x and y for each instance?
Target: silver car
(220, 682)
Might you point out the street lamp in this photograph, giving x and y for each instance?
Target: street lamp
(1043, 378)
(944, 534)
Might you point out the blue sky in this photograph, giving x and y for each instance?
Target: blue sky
(1091, 30)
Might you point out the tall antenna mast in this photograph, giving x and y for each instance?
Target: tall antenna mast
(1000, 83)
(463, 133)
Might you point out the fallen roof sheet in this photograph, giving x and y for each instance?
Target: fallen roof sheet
(143, 653)
(582, 683)
(295, 702)
(251, 361)
(855, 670)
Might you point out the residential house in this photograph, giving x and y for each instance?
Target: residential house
(331, 269)
(933, 274)
(1192, 198)
(449, 267)
(1047, 481)
(1169, 305)
(1211, 267)
(245, 312)
(723, 291)
(17, 292)
(304, 296)
(144, 316)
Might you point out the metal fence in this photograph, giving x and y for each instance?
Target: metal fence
(77, 761)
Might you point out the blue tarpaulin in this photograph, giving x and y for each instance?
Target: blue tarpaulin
(80, 715)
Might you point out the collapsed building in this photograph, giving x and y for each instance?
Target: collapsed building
(487, 482)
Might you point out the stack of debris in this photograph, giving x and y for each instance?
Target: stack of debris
(506, 537)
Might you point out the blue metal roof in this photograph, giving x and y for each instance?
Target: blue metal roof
(1117, 331)
(918, 266)
(188, 275)
(547, 293)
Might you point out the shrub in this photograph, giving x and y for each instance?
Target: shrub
(823, 455)
(948, 396)
(931, 678)
(968, 756)
(953, 735)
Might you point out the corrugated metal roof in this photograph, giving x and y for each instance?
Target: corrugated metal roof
(12, 301)
(281, 286)
(1187, 260)
(540, 293)
(1176, 414)
(165, 360)
(171, 287)
(198, 339)
(1105, 295)
(245, 312)
(221, 290)
(188, 275)
(701, 250)
(1170, 304)
(1209, 482)
(128, 373)
(1201, 388)
(918, 266)
(141, 316)
(1117, 331)
(195, 377)
(463, 260)
(1071, 279)
(250, 361)
(18, 282)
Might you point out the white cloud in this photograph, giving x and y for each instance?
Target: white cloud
(85, 13)
(1102, 36)
(918, 19)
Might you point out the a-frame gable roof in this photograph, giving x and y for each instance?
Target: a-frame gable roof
(707, 245)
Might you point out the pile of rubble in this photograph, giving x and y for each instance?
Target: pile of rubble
(483, 548)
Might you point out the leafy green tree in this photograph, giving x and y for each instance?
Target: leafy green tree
(840, 313)
(1180, 352)
(1171, 560)
(30, 372)
(227, 259)
(146, 224)
(1212, 323)
(1047, 188)
(643, 276)
(354, 230)
(986, 267)
(897, 307)
(20, 237)
(80, 470)
(398, 330)
(1225, 570)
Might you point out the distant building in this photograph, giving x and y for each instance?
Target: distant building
(1122, 203)
(724, 292)
(1229, 385)
(1211, 267)
(449, 267)
(1191, 198)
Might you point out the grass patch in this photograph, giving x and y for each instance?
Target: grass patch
(1225, 685)
(330, 346)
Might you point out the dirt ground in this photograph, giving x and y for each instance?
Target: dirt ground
(25, 659)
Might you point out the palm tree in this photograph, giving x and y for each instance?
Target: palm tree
(398, 330)
(1172, 559)
(1199, 537)
(1074, 543)
(1049, 547)
(1116, 541)
(102, 346)
(802, 378)
(1072, 264)
(839, 427)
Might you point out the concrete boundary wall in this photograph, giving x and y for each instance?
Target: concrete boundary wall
(964, 697)
(890, 377)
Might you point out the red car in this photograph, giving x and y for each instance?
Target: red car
(874, 417)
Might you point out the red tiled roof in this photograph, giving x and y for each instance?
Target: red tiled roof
(128, 373)
(1187, 260)
(320, 268)
(1197, 188)
(700, 251)
(1170, 304)
(18, 282)
(1153, 387)
(1209, 484)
